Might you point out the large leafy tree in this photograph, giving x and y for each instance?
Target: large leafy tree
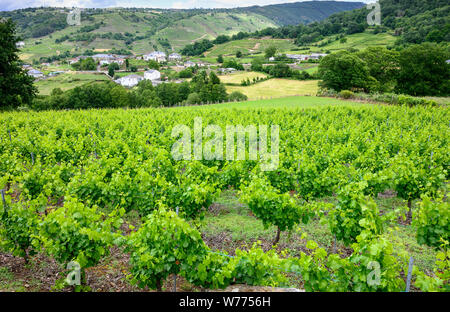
(424, 71)
(16, 87)
(345, 71)
(383, 66)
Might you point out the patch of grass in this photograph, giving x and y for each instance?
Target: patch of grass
(239, 76)
(67, 81)
(277, 88)
(8, 281)
(250, 46)
(360, 41)
(235, 220)
(287, 102)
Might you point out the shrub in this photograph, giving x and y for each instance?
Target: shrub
(194, 98)
(353, 214)
(18, 225)
(271, 207)
(432, 222)
(237, 96)
(78, 233)
(346, 94)
(165, 244)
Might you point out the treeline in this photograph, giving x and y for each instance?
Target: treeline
(127, 37)
(89, 52)
(202, 89)
(419, 70)
(280, 70)
(35, 22)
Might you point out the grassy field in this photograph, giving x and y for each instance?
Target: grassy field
(276, 88)
(67, 81)
(250, 46)
(238, 77)
(285, 102)
(209, 26)
(361, 41)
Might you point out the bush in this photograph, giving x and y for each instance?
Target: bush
(17, 227)
(165, 244)
(432, 222)
(346, 94)
(237, 96)
(353, 214)
(271, 207)
(193, 98)
(78, 233)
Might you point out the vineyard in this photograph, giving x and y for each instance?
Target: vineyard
(79, 184)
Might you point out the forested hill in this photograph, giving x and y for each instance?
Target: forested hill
(412, 21)
(302, 12)
(39, 22)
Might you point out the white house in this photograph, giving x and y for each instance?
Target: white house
(174, 57)
(152, 75)
(20, 44)
(226, 70)
(189, 64)
(129, 81)
(56, 73)
(158, 56)
(317, 56)
(103, 57)
(35, 73)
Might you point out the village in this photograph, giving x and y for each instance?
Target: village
(130, 75)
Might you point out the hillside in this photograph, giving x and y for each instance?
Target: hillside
(302, 12)
(403, 22)
(46, 32)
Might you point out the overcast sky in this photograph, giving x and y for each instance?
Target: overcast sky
(6, 5)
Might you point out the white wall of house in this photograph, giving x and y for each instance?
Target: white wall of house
(152, 75)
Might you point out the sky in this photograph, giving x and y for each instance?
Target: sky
(7, 5)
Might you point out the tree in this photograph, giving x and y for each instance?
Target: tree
(127, 64)
(220, 59)
(280, 71)
(86, 64)
(383, 65)
(237, 96)
(16, 87)
(111, 68)
(345, 71)
(257, 64)
(424, 71)
(152, 64)
(238, 54)
(270, 51)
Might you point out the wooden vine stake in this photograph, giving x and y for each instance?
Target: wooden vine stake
(410, 269)
(3, 200)
(175, 276)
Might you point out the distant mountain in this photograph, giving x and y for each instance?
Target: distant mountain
(302, 12)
